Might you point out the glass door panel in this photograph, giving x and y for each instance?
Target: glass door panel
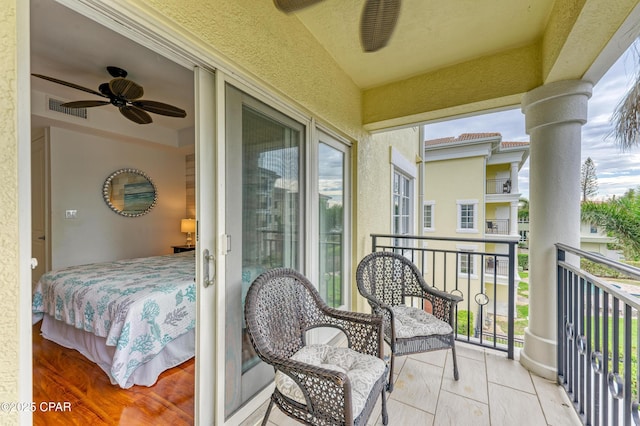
(264, 221)
(331, 176)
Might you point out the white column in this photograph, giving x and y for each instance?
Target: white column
(513, 220)
(515, 189)
(554, 115)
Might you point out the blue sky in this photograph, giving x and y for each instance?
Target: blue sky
(617, 171)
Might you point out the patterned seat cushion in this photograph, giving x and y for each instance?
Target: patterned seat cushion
(362, 370)
(411, 322)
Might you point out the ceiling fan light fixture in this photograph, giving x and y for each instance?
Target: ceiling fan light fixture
(122, 93)
(379, 18)
(126, 88)
(288, 6)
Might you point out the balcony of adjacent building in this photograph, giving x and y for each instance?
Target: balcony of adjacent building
(497, 227)
(498, 186)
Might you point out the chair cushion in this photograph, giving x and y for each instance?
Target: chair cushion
(412, 322)
(362, 370)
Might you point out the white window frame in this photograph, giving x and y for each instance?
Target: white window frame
(459, 228)
(473, 258)
(408, 170)
(324, 136)
(432, 226)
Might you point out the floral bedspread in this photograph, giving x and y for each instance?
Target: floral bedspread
(138, 305)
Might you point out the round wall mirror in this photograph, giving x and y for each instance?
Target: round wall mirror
(130, 192)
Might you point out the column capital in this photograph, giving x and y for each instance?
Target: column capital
(556, 103)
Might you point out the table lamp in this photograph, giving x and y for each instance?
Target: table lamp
(188, 226)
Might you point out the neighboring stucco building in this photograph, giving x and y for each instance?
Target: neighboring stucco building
(471, 191)
(594, 239)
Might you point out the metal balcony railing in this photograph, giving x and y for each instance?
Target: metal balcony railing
(497, 226)
(598, 346)
(499, 186)
(331, 268)
(496, 266)
(483, 318)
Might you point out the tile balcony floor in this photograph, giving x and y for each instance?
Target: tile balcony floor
(492, 390)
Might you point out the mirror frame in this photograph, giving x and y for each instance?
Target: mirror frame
(107, 185)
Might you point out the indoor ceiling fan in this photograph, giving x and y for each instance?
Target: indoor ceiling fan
(377, 23)
(124, 94)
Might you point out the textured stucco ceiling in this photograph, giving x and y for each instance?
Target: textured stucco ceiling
(429, 34)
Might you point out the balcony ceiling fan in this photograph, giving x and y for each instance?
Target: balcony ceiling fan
(122, 93)
(377, 23)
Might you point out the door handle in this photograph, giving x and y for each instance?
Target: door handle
(42, 238)
(207, 259)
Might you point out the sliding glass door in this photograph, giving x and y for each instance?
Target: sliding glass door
(264, 223)
(333, 221)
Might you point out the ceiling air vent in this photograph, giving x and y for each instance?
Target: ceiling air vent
(56, 105)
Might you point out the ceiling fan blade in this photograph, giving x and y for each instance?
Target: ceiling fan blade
(378, 21)
(84, 104)
(288, 6)
(72, 85)
(160, 108)
(135, 114)
(126, 88)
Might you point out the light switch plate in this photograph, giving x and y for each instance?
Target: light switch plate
(71, 214)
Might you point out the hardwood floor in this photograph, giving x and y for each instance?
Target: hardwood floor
(62, 375)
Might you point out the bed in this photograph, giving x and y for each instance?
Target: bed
(135, 318)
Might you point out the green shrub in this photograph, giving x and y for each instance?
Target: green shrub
(523, 261)
(599, 270)
(465, 320)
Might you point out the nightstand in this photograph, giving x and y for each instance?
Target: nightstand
(180, 249)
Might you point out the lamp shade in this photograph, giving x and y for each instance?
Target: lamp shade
(188, 225)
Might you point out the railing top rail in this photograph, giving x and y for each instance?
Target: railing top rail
(513, 241)
(620, 267)
(486, 254)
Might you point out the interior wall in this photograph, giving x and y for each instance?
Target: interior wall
(191, 186)
(80, 163)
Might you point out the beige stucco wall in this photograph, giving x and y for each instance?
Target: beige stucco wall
(450, 180)
(9, 269)
(373, 194)
(282, 53)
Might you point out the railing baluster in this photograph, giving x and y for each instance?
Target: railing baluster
(597, 346)
(581, 345)
(512, 300)
(627, 365)
(616, 359)
(605, 359)
(586, 358)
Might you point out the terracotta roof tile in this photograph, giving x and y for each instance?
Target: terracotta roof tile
(439, 141)
(514, 144)
(461, 138)
(472, 136)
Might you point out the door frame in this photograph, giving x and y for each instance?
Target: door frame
(138, 25)
(143, 29)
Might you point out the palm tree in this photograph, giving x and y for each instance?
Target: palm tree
(620, 217)
(626, 117)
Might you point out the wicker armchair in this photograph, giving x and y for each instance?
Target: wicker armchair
(391, 284)
(315, 384)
